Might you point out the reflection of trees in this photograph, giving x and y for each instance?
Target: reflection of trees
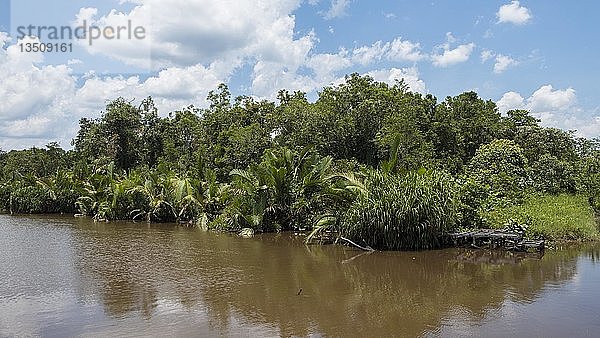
(258, 280)
(379, 293)
(590, 250)
(113, 267)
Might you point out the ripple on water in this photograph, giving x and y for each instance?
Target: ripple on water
(68, 277)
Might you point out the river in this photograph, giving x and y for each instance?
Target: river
(66, 277)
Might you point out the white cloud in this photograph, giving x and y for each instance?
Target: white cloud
(39, 104)
(486, 55)
(326, 65)
(73, 62)
(589, 127)
(403, 50)
(337, 9)
(184, 33)
(450, 38)
(514, 13)
(397, 50)
(453, 56)
(503, 62)
(236, 33)
(132, 52)
(367, 54)
(510, 101)
(409, 75)
(268, 76)
(544, 100)
(555, 108)
(26, 89)
(548, 99)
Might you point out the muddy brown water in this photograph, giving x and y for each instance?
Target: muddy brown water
(66, 277)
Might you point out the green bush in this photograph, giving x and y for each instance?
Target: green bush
(402, 212)
(551, 175)
(474, 197)
(500, 165)
(590, 180)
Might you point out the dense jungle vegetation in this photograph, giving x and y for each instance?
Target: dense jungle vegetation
(375, 163)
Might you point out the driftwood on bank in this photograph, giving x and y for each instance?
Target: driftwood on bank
(506, 239)
(364, 248)
(332, 237)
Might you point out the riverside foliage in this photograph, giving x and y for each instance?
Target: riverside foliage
(375, 163)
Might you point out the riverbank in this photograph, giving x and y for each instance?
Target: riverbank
(384, 167)
(561, 217)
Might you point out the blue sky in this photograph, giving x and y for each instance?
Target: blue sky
(535, 55)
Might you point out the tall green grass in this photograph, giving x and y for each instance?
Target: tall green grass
(406, 212)
(554, 217)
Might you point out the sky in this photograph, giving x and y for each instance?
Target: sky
(539, 55)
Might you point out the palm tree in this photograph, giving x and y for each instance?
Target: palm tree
(157, 190)
(282, 192)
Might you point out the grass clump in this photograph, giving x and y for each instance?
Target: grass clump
(402, 212)
(554, 217)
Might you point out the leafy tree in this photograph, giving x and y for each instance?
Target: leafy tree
(350, 116)
(462, 124)
(501, 166)
(38, 162)
(589, 171)
(235, 135)
(407, 132)
(182, 141)
(116, 135)
(152, 133)
(537, 141)
(297, 124)
(552, 175)
(515, 121)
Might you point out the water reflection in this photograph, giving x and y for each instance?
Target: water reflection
(157, 279)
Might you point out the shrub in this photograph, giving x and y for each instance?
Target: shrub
(474, 197)
(590, 180)
(551, 175)
(500, 165)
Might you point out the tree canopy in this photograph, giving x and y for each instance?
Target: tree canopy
(245, 162)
